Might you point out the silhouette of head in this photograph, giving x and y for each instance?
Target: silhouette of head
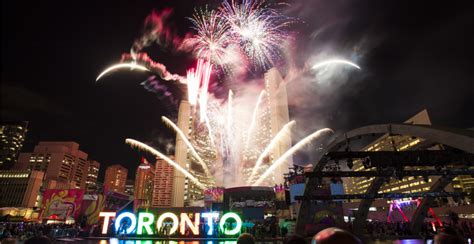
(335, 235)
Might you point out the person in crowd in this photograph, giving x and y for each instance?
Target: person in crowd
(246, 238)
(39, 240)
(295, 239)
(335, 235)
(445, 238)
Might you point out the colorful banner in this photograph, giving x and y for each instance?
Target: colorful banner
(215, 195)
(92, 207)
(61, 204)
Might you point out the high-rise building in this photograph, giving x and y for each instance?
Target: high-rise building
(144, 178)
(61, 161)
(181, 153)
(163, 184)
(115, 178)
(130, 187)
(20, 188)
(184, 190)
(12, 136)
(93, 168)
(273, 115)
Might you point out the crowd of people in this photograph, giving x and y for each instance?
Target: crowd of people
(43, 233)
(36, 233)
(383, 230)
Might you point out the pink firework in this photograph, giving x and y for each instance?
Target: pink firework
(198, 84)
(212, 38)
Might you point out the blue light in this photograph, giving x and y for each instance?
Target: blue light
(132, 218)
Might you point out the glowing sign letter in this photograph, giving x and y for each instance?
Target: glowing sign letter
(107, 216)
(131, 227)
(238, 223)
(145, 224)
(209, 217)
(167, 215)
(185, 220)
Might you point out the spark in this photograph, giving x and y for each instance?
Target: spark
(131, 65)
(334, 61)
(198, 84)
(290, 152)
(203, 96)
(193, 79)
(143, 146)
(229, 113)
(212, 38)
(209, 130)
(254, 117)
(186, 141)
(284, 132)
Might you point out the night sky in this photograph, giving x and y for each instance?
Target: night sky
(414, 56)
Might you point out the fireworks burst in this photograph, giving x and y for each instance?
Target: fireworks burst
(257, 29)
(212, 38)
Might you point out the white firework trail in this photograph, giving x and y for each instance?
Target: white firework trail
(203, 96)
(290, 152)
(131, 65)
(335, 61)
(284, 132)
(143, 146)
(254, 118)
(186, 141)
(209, 130)
(229, 113)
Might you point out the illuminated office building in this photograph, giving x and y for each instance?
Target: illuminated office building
(144, 178)
(93, 168)
(20, 188)
(12, 136)
(163, 184)
(129, 187)
(273, 115)
(61, 161)
(359, 185)
(115, 178)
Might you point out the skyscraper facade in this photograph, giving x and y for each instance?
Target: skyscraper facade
(163, 184)
(273, 115)
(144, 179)
(93, 168)
(115, 178)
(130, 187)
(20, 188)
(12, 136)
(181, 153)
(61, 161)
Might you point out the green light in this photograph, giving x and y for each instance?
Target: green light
(173, 217)
(238, 222)
(145, 224)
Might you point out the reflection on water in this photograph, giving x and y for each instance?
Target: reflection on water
(117, 241)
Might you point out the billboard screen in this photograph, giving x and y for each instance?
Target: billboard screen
(296, 190)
